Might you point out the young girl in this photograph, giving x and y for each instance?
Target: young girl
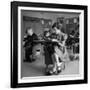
(59, 50)
(48, 53)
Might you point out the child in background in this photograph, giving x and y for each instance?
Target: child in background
(28, 44)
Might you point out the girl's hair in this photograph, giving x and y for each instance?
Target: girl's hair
(27, 29)
(46, 33)
(55, 25)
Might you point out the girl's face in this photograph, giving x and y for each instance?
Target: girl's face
(47, 34)
(57, 30)
(53, 30)
(65, 36)
(30, 31)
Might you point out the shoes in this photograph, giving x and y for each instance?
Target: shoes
(58, 71)
(48, 73)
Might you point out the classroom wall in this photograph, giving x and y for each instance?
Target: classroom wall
(48, 15)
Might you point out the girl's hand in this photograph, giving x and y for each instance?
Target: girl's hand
(54, 40)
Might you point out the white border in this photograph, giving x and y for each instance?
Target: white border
(51, 78)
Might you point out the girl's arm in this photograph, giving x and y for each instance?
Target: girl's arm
(25, 40)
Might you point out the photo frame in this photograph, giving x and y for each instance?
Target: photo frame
(40, 16)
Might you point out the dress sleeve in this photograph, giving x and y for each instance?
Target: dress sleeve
(35, 37)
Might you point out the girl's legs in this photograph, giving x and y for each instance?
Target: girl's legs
(54, 63)
(27, 54)
(59, 63)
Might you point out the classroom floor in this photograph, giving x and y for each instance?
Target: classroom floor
(37, 68)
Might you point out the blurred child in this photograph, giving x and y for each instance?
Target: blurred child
(28, 44)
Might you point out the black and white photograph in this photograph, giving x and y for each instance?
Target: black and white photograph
(50, 44)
